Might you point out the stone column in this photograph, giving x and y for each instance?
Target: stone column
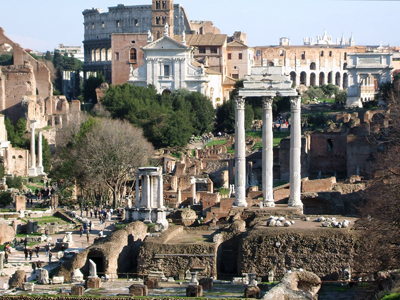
(160, 191)
(295, 154)
(268, 154)
(2, 254)
(138, 191)
(39, 169)
(32, 170)
(193, 189)
(240, 154)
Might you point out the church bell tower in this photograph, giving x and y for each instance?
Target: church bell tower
(163, 13)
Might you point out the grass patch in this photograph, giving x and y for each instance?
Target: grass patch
(177, 155)
(23, 235)
(216, 142)
(7, 210)
(45, 220)
(223, 191)
(278, 136)
(395, 296)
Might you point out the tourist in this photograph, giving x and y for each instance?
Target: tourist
(81, 231)
(90, 226)
(39, 264)
(87, 236)
(101, 219)
(6, 257)
(87, 210)
(37, 250)
(46, 232)
(50, 256)
(26, 253)
(47, 249)
(34, 266)
(95, 213)
(30, 254)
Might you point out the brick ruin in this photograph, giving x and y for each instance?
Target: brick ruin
(26, 92)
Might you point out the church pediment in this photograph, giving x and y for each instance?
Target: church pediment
(165, 43)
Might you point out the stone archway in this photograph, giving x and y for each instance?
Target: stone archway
(321, 78)
(313, 80)
(345, 81)
(166, 92)
(303, 78)
(337, 79)
(330, 78)
(293, 76)
(98, 258)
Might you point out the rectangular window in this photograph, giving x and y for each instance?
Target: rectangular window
(345, 56)
(214, 50)
(330, 53)
(102, 25)
(240, 55)
(116, 55)
(330, 145)
(303, 55)
(229, 55)
(118, 24)
(322, 53)
(166, 71)
(235, 76)
(202, 50)
(136, 22)
(92, 25)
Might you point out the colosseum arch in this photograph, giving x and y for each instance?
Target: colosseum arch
(330, 77)
(313, 80)
(321, 78)
(313, 66)
(293, 76)
(303, 78)
(337, 79)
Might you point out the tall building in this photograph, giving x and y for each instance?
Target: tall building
(121, 19)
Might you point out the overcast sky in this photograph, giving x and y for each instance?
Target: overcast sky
(42, 25)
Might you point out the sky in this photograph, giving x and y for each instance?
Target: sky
(43, 25)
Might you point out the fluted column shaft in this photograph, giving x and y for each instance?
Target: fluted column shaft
(32, 172)
(267, 154)
(240, 153)
(295, 154)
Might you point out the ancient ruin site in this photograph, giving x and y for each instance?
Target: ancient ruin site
(166, 160)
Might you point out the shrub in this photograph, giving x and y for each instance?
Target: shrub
(14, 182)
(5, 198)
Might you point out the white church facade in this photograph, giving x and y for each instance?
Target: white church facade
(169, 66)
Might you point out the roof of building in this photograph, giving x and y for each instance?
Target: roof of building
(237, 44)
(208, 39)
(229, 81)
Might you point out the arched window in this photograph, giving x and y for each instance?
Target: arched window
(313, 66)
(158, 4)
(133, 55)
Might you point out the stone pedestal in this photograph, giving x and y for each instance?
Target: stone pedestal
(151, 282)
(138, 290)
(252, 292)
(28, 286)
(295, 154)
(207, 283)
(194, 291)
(267, 154)
(93, 283)
(77, 290)
(240, 154)
(43, 276)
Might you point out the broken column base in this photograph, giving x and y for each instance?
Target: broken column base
(252, 292)
(151, 282)
(194, 291)
(93, 283)
(77, 290)
(138, 290)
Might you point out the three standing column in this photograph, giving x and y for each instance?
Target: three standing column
(267, 154)
(295, 154)
(240, 154)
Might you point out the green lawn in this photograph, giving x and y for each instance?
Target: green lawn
(278, 136)
(216, 142)
(395, 296)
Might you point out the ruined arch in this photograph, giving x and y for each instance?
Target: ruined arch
(303, 78)
(330, 77)
(313, 66)
(337, 79)
(103, 54)
(313, 79)
(345, 81)
(6, 55)
(321, 78)
(99, 259)
(293, 76)
(166, 92)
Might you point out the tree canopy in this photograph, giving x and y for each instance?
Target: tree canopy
(100, 151)
(167, 120)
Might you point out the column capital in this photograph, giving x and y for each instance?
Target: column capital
(267, 102)
(240, 102)
(33, 124)
(295, 102)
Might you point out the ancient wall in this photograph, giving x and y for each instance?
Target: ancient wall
(359, 155)
(115, 254)
(175, 258)
(41, 72)
(284, 158)
(18, 161)
(328, 152)
(322, 251)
